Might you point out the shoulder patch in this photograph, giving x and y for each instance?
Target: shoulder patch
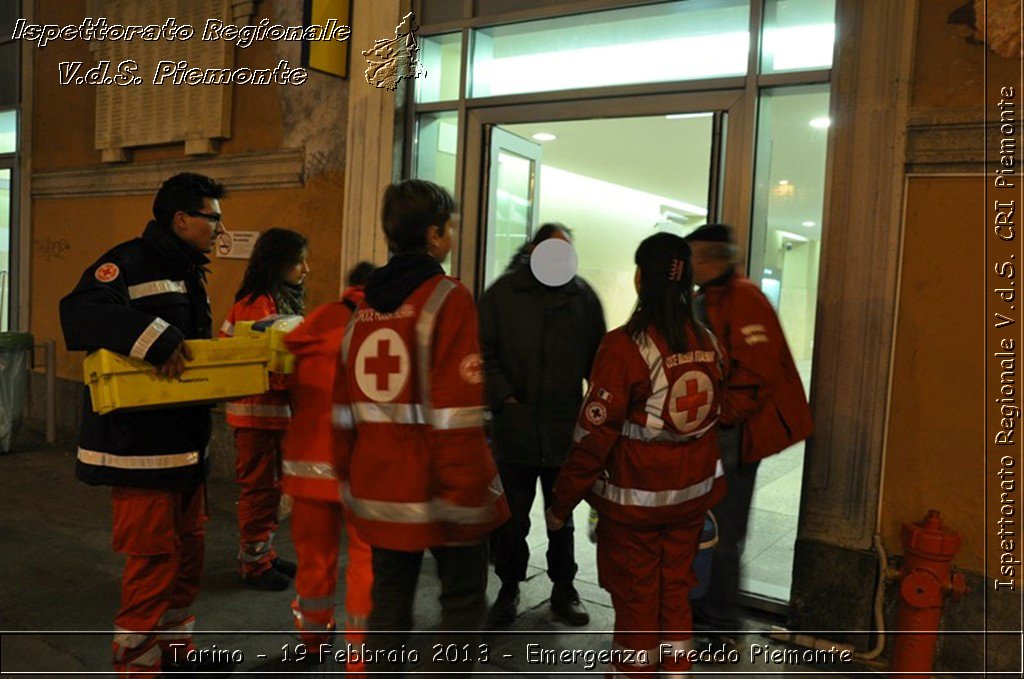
(107, 272)
(596, 412)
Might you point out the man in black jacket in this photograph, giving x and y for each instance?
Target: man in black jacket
(144, 298)
(538, 343)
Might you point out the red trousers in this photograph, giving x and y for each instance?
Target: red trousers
(258, 472)
(316, 528)
(162, 534)
(648, 572)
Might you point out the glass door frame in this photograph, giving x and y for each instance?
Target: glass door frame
(732, 188)
(10, 288)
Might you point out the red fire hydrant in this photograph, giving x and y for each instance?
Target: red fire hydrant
(926, 579)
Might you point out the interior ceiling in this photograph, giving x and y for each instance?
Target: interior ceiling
(671, 157)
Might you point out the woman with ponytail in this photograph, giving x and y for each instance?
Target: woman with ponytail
(644, 455)
(272, 285)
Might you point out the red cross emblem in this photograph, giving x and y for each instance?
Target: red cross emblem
(107, 272)
(691, 400)
(382, 365)
(596, 412)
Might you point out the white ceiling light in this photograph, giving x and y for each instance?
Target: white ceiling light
(792, 236)
(544, 136)
(807, 224)
(684, 116)
(783, 182)
(820, 123)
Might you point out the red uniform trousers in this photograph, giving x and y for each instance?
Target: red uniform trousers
(648, 572)
(162, 534)
(316, 527)
(258, 472)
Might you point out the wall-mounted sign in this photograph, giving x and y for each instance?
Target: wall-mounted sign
(236, 244)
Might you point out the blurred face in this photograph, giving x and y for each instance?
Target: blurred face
(296, 274)
(705, 268)
(200, 228)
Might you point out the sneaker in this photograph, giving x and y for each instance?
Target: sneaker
(270, 580)
(285, 566)
(566, 604)
(505, 607)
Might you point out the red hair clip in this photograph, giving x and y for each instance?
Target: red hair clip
(675, 273)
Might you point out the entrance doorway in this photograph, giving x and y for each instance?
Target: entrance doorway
(614, 181)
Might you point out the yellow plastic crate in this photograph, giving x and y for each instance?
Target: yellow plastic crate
(274, 328)
(220, 370)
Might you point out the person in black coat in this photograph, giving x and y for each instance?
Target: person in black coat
(143, 299)
(538, 343)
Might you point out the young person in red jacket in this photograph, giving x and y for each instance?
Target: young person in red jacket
(765, 409)
(644, 455)
(311, 479)
(272, 285)
(409, 411)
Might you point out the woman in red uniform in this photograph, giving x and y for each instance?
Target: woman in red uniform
(272, 286)
(311, 478)
(643, 456)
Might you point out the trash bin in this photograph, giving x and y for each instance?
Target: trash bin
(14, 360)
(702, 562)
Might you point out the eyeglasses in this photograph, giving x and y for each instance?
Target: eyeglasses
(213, 218)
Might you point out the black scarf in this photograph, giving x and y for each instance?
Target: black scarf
(290, 300)
(390, 285)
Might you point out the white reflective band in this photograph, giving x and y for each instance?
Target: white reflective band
(388, 413)
(99, 459)
(251, 552)
(425, 338)
(156, 288)
(579, 434)
(129, 639)
(458, 418)
(341, 417)
(754, 328)
(632, 430)
(149, 335)
(634, 497)
(436, 509)
(756, 339)
(309, 470)
(306, 626)
(258, 410)
(228, 328)
(356, 623)
(659, 381)
(323, 603)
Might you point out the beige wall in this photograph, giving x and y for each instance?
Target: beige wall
(85, 227)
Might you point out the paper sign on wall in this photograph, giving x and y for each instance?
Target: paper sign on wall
(236, 244)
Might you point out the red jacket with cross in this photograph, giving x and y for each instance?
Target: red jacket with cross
(409, 409)
(271, 409)
(644, 450)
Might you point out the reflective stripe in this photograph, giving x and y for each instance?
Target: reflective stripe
(99, 459)
(436, 509)
(181, 629)
(174, 615)
(150, 335)
(258, 410)
(659, 381)
(413, 413)
(341, 417)
(579, 434)
(156, 288)
(458, 418)
(635, 497)
(424, 339)
(632, 430)
(307, 626)
(228, 328)
(356, 622)
(251, 552)
(129, 639)
(309, 470)
(388, 413)
(323, 603)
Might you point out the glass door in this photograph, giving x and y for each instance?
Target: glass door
(512, 202)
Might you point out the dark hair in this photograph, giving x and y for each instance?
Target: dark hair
(548, 230)
(183, 192)
(359, 273)
(276, 251)
(666, 293)
(411, 207)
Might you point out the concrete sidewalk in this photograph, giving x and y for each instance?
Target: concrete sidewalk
(59, 590)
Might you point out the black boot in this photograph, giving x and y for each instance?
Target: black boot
(284, 566)
(566, 604)
(270, 580)
(503, 611)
